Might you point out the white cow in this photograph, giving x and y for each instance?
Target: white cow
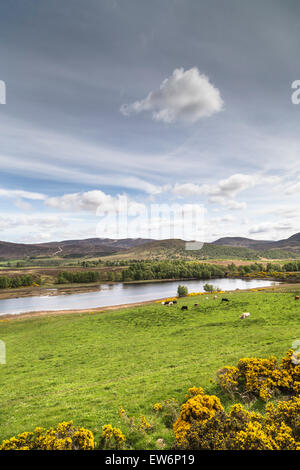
(245, 315)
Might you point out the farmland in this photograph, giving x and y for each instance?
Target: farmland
(85, 366)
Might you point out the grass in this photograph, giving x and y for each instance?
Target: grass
(85, 366)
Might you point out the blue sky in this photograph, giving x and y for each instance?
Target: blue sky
(161, 102)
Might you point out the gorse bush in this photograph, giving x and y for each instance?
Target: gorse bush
(203, 424)
(112, 438)
(64, 437)
(263, 378)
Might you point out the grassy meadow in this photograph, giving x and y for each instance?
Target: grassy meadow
(84, 367)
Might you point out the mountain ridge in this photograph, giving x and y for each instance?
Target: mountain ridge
(107, 246)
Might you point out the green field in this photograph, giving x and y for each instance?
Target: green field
(85, 366)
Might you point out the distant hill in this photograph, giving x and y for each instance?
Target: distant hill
(175, 249)
(90, 246)
(292, 243)
(143, 248)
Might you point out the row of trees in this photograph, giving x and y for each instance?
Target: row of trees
(79, 276)
(292, 266)
(17, 281)
(171, 270)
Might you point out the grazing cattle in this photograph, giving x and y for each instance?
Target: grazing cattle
(167, 302)
(170, 303)
(163, 303)
(225, 300)
(174, 301)
(215, 297)
(245, 315)
(196, 305)
(297, 297)
(184, 307)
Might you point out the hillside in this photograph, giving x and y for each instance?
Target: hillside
(175, 249)
(142, 248)
(292, 243)
(89, 246)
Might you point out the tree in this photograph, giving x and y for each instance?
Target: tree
(182, 291)
(208, 287)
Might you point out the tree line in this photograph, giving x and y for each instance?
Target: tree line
(171, 270)
(17, 281)
(79, 276)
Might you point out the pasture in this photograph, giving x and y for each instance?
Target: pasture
(84, 367)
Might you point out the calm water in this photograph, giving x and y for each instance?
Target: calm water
(118, 294)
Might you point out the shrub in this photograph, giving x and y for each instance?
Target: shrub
(182, 291)
(203, 424)
(64, 437)
(208, 287)
(263, 378)
(199, 407)
(169, 410)
(112, 438)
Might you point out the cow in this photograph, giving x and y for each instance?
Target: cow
(245, 315)
(297, 297)
(170, 303)
(225, 300)
(184, 307)
(174, 302)
(215, 297)
(196, 305)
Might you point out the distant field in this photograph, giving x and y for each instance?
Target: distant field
(85, 366)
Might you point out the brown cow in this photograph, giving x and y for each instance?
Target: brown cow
(297, 297)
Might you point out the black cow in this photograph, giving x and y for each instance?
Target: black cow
(196, 305)
(184, 307)
(174, 301)
(225, 300)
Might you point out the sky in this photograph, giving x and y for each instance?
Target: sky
(161, 119)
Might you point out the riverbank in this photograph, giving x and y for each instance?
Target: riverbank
(43, 313)
(82, 288)
(282, 288)
(64, 289)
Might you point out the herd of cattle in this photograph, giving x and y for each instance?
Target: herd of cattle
(223, 299)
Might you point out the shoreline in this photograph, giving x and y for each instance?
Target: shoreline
(69, 289)
(44, 313)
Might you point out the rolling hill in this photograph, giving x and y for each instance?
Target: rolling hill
(142, 248)
(89, 246)
(292, 243)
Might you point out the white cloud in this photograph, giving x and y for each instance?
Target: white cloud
(37, 220)
(11, 193)
(95, 201)
(269, 227)
(230, 204)
(224, 191)
(184, 96)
